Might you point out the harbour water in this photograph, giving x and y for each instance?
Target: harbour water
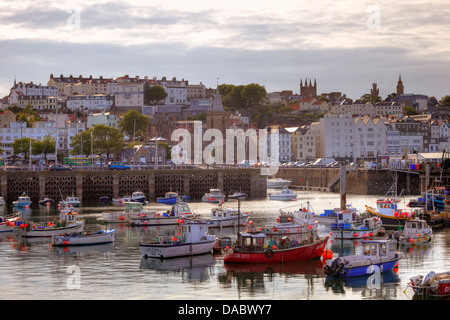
(33, 269)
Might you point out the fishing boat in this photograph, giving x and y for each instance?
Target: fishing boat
(70, 201)
(193, 240)
(45, 200)
(178, 212)
(132, 210)
(9, 224)
(252, 248)
(22, 201)
(236, 195)
(136, 196)
(377, 255)
(214, 196)
(431, 284)
(84, 238)
(350, 226)
(284, 195)
(415, 231)
(169, 198)
(295, 222)
(387, 209)
(67, 223)
(221, 217)
(278, 183)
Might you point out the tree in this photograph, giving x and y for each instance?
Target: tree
(46, 146)
(253, 94)
(154, 94)
(134, 124)
(22, 146)
(410, 111)
(105, 140)
(445, 101)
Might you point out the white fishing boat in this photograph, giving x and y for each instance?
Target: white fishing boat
(214, 196)
(70, 201)
(132, 210)
(415, 232)
(284, 195)
(293, 222)
(22, 201)
(9, 224)
(221, 217)
(67, 223)
(349, 225)
(278, 183)
(136, 196)
(192, 240)
(179, 211)
(84, 238)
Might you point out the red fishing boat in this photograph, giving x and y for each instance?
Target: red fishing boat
(251, 248)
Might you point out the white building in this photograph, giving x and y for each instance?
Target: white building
(105, 118)
(90, 102)
(369, 139)
(31, 89)
(302, 143)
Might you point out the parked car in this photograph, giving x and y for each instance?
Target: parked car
(117, 165)
(59, 167)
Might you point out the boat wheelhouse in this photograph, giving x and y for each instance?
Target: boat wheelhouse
(225, 217)
(22, 201)
(293, 222)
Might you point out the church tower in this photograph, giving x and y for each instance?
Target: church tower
(400, 88)
(374, 92)
(308, 90)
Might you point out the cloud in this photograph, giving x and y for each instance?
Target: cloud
(271, 43)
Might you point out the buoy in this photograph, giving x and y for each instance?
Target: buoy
(274, 247)
(122, 218)
(310, 227)
(250, 222)
(355, 234)
(410, 240)
(66, 242)
(227, 247)
(26, 207)
(371, 234)
(365, 235)
(50, 224)
(327, 254)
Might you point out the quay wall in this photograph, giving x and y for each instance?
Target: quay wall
(91, 185)
(361, 181)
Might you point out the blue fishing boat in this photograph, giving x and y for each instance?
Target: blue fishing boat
(376, 256)
(169, 198)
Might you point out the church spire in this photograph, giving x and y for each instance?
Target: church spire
(217, 102)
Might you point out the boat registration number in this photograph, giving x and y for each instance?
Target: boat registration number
(242, 255)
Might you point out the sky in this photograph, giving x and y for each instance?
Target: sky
(345, 45)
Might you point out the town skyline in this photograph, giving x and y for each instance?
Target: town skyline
(346, 46)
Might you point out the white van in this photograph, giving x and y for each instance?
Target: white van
(323, 161)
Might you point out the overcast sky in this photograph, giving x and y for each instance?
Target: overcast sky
(345, 45)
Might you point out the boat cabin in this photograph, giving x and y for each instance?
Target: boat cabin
(68, 216)
(378, 248)
(215, 192)
(252, 241)
(171, 194)
(193, 231)
(131, 207)
(220, 213)
(180, 209)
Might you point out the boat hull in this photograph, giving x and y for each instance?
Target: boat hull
(388, 221)
(172, 200)
(172, 250)
(368, 269)
(6, 227)
(283, 198)
(307, 252)
(96, 238)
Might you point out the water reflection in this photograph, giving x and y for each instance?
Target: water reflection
(192, 268)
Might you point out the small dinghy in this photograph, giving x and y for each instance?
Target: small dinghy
(432, 284)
